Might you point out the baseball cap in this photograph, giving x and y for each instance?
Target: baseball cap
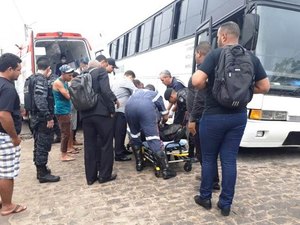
(66, 69)
(112, 62)
(168, 93)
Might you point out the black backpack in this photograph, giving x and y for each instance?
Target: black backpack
(28, 93)
(82, 93)
(234, 78)
(172, 132)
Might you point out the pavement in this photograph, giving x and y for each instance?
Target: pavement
(267, 192)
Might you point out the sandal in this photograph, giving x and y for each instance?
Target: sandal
(67, 159)
(73, 151)
(16, 209)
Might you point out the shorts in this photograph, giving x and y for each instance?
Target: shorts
(9, 158)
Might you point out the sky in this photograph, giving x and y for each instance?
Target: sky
(100, 21)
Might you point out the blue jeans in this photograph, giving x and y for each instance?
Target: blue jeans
(220, 134)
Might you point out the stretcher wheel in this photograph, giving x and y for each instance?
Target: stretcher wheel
(157, 173)
(187, 166)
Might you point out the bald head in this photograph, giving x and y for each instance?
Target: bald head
(228, 34)
(93, 64)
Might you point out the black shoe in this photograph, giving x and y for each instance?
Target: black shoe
(204, 203)
(225, 211)
(48, 178)
(127, 152)
(122, 158)
(90, 182)
(107, 179)
(47, 171)
(216, 186)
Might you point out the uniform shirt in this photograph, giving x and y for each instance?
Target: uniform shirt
(208, 66)
(150, 97)
(42, 95)
(10, 102)
(176, 84)
(123, 89)
(182, 99)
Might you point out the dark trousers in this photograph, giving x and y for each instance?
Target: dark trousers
(98, 146)
(142, 118)
(43, 137)
(120, 126)
(179, 117)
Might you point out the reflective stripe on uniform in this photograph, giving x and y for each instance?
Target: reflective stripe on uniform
(152, 138)
(135, 135)
(156, 97)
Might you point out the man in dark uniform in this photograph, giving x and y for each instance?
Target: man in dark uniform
(42, 121)
(141, 116)
(179, 98)
(171, 82)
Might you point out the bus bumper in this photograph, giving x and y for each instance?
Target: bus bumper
(271, 134)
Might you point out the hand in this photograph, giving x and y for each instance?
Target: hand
(192, 128)
(16, 141)
(118, 104)
(165, 118)
(50, 124)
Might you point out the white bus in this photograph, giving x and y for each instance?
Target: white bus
(166, 40)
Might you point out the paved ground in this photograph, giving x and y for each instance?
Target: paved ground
(267, 192)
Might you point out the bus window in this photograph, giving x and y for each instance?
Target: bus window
(190, 17)
(156, 30)
(132, 42)
(145, 34)
(217, 9)
(162, 28)
(117, 49)
(113, 48)
(121, 43)
(193, 16)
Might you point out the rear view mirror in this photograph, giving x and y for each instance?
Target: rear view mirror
(249, 31)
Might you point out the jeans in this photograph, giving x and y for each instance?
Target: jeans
(220, 134)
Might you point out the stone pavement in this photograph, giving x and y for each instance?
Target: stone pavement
(267, 192)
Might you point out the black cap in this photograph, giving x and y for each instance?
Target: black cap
(168, 93)
(112, 62)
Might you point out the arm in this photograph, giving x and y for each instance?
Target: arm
(199, 79)
(106, 92)
(7, 124)
(59, 86)
(262, 86)
(159, 103)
